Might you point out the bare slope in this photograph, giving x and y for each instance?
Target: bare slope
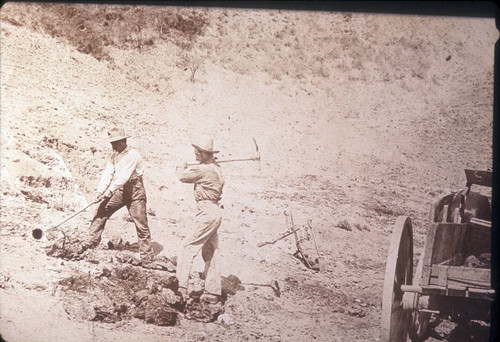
(358, 117)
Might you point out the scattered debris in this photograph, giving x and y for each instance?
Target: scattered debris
(131, 292)
(67, 247)
(344, 224)
(34, 198)
(159, 263)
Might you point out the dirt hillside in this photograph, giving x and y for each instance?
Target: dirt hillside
(358, 117)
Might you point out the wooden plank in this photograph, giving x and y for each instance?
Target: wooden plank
(448, 241)
(477, 238)
(442, 278)
(483, 291)
(434, 290)
(429, 243)
(453, 276)
(480, 223)
(426, 275)
(479, 177)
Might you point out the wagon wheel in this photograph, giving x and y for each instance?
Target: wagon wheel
(419, 325)
(398, 271)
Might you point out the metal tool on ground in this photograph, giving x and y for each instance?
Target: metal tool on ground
(255, 158)
(322, 266)
(273, 285)
(298, 241)
(282, 236)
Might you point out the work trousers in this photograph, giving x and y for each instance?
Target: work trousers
(133, 196)
(205, 238)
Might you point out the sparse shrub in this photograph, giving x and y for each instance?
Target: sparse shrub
(344, 224)
(387, 209)
(361, 227)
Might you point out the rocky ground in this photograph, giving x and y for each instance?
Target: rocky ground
(358, 117)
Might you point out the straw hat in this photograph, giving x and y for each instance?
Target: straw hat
(115, 134)
(204, 144)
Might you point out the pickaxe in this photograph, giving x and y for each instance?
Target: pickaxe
(273, 285)
(256, 158)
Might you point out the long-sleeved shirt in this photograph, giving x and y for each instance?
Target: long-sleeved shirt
(121, 167)
(208, 181)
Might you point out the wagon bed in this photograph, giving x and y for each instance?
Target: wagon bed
(453, 274)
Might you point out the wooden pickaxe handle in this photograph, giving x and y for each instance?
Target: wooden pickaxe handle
(297, 242)
(256, 158)
(320, 258)
(282, 236)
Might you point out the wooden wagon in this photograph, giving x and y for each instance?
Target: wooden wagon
(452, 276)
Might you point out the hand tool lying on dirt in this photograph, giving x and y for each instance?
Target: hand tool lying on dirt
(273, 285)
(322, 265)
(255, 158)
(282, 236)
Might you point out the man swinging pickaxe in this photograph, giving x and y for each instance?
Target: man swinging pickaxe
(256, 157)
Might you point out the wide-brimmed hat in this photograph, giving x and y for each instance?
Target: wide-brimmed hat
(204, 144)
(115, 134)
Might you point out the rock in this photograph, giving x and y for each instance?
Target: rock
(170, 282)
(171, 298)
(159, 314)
(472, 261)
(225, 319)
(203, 312)
(139, 297)
(231, 284)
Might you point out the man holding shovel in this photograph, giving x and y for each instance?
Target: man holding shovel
(121, 185)
(208, 183)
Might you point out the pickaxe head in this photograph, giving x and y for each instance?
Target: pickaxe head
(256, 157)
(257, 153)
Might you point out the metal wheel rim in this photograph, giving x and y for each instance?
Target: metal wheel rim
(399, 271)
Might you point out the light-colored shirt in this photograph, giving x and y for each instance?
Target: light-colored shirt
(207, 178)
(120, 169)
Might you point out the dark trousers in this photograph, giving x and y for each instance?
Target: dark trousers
(133, 196)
